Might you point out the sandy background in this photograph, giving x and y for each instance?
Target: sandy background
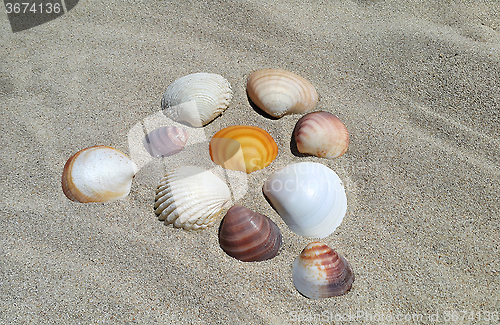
(416, 84)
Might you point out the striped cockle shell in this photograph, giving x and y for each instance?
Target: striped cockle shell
(165, 141)
(278, 92)
(197, 98)
(98, 174)
(320, 272)
(191, 198)
(249, 236)
(321, 134)
(309, 197)
(242, 147)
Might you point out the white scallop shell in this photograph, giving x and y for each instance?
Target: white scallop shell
(278, 92)
(197, 98)
(309, 197)
(98, 174)
(191, 198)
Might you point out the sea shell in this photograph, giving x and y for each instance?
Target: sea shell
(320, 272)
(242, 147)
(197, 98)
(279, 92)
(165, 141)
(191, 198)
(309, 197)
(98, 174)
(321, 134)
(249, 236)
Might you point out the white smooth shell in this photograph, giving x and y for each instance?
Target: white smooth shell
(191, 198)
(197, 98)
(309, 197)
(279, 92)
(98, 174)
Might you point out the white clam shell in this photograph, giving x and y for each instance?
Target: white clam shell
(197, 98)
(191, 198)
(98, 174)
(309, 197)
(279, 92)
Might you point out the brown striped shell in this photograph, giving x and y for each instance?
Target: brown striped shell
(320, 272)
(278, 92)
(249, 236)
(321, 134)
(165, 141)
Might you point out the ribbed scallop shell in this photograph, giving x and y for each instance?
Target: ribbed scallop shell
(321, 134)
(191, 198)
(249, 236)
(197, 98)
(320, 272)
(165, 141)
(98, 174)
(242, 147)
(309, 197)
(279, 92)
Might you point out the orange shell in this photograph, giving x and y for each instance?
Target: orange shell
(242, 147)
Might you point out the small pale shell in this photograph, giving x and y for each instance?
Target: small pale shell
(242, 147)
(279, 92)
(197, 98)
(249, 236)
(98, 174)
(320, 272)
(191, 198)
(165, 141)
(309, 197)
(321, 134)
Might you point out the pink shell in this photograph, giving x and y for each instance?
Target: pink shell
(165, 141)
(321, 134)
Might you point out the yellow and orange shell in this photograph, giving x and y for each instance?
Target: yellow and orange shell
(242, 147)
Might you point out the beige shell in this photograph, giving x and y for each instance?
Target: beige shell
(321, 134)
(98, 174)
(197, 98)
(278, 92)
(191, 198)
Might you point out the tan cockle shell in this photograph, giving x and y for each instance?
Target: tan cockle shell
(320, 272)
(191, 198)
(278, 92)
(197, 98)
(321, 134)
(98, 174)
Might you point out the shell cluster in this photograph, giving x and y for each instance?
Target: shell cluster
(308, 196)
(98, 174)
(320, 272)
(242, 147)
(197, 98)
(249, 236)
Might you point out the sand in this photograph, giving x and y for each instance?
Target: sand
(416, 83)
